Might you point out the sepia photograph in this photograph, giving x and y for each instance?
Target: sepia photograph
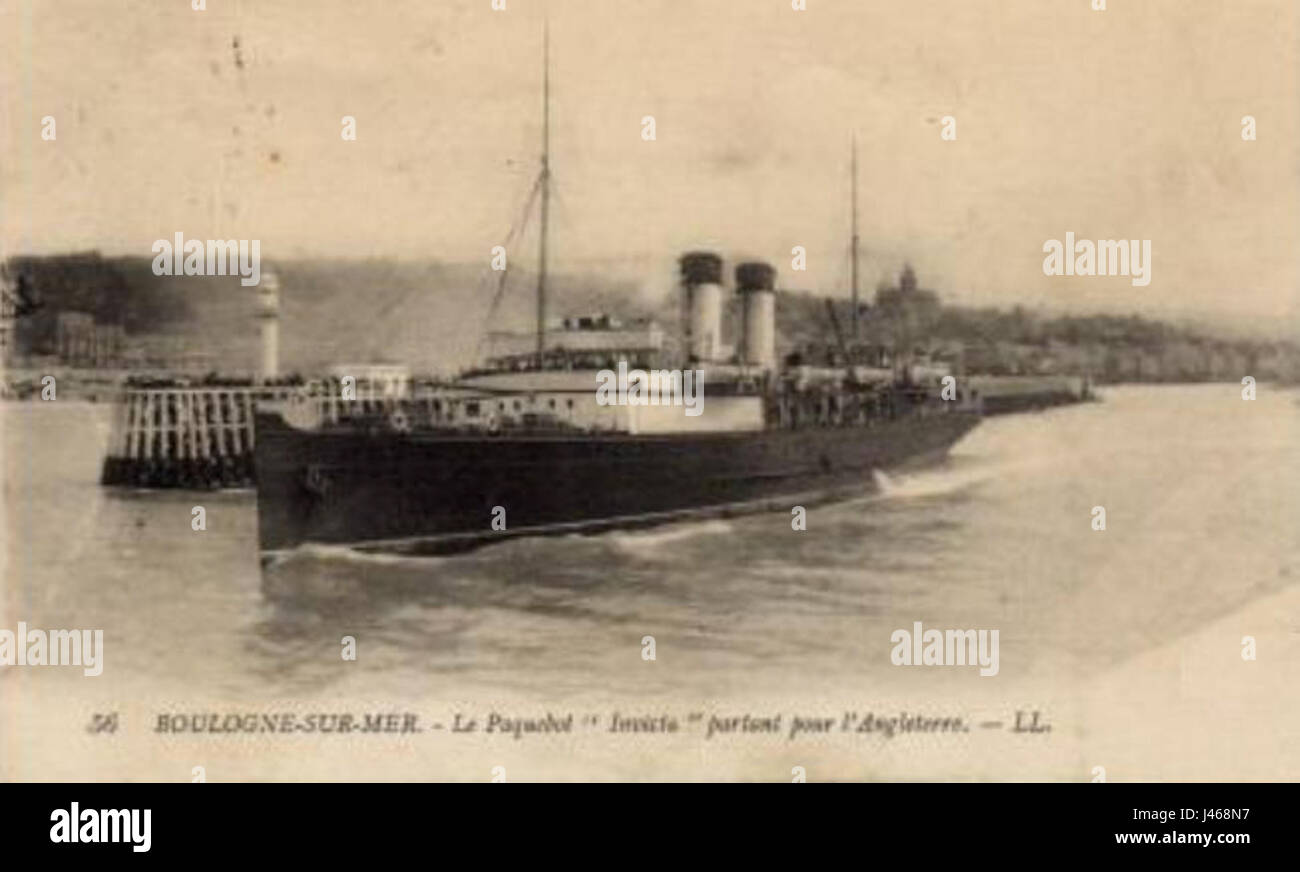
(783, 391)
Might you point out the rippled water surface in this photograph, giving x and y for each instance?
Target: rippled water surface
(1200, 489)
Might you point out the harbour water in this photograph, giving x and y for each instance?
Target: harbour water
(747, 615)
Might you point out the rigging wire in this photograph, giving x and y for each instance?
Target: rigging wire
(401, 298)
(516, 231)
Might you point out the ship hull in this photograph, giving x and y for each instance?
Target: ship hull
(425, 492)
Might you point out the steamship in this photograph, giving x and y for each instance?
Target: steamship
(523, 445)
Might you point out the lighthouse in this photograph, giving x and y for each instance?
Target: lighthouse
(268, 315)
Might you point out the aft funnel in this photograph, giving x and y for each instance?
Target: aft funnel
(756, 283)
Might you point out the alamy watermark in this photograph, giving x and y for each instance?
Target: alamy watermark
(102, 825)
(213, 257)
(946, 648)
(657, 387)
(83, 648)
(1105, 257)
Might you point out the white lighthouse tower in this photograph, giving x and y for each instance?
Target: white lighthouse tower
(268, 315)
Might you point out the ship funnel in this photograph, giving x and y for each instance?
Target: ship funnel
(702, 279)
(756, 283)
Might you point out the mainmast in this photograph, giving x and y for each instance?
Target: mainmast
(854, 255)
(545, 182)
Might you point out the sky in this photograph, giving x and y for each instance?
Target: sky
(1116, 124)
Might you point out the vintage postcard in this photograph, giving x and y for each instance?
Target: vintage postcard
(790, 391)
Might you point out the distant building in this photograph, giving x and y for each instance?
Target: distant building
(165, 352)
(74, 337)
(81, 341)
(110, 342)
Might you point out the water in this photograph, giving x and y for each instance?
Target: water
(747, 615)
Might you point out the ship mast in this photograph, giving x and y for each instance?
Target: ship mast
(854, 255)
(545, 182)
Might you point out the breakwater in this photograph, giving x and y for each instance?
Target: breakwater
(1006, 394)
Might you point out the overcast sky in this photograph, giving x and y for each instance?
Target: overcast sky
(1117, 124)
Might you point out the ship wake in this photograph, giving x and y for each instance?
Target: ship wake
(642, 540)
(929, 483)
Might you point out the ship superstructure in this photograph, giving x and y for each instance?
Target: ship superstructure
(530, 442)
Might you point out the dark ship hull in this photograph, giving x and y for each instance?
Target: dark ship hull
(432, 493)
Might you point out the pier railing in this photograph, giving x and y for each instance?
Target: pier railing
(202, 436)
(186, 437)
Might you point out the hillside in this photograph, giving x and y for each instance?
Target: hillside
(429, 314)
(432, 316)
